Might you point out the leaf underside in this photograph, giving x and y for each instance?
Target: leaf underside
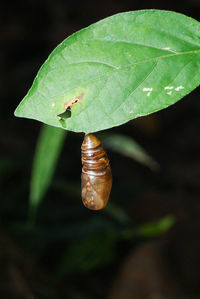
(125, 66)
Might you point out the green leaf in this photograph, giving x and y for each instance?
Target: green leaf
(128, 65)
(128, 147)
(156, 228)
(87, 254)
(46, 155)
(152, 229)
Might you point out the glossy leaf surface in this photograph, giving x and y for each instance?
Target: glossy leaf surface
(128, 65)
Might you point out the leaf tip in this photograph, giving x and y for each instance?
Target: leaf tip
(16, 112)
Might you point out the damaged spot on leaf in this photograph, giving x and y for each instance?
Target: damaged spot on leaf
(72, 102)
(64, 115)
(67, 109)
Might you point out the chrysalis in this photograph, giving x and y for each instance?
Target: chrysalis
(96, 178)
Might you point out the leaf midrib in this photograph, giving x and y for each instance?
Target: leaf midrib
(118, 68)
(123, 67)
(141, 83)
(112, 71)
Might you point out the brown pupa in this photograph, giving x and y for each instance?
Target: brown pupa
(96, 178)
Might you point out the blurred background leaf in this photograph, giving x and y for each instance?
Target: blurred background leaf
(97, 250)
(48, 149)
(126, 146)
(87, 254)
(151, 229)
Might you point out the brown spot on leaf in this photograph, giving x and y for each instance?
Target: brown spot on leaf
(72, 102)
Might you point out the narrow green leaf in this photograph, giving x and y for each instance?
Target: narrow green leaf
(128, 65)
(156, 228)
(117, 213)
(46, 155)
(128, 147)
(152, 229)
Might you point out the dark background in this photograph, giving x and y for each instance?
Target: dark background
(148, 266)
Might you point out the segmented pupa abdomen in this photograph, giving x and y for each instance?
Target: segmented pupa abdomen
(96, 178)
